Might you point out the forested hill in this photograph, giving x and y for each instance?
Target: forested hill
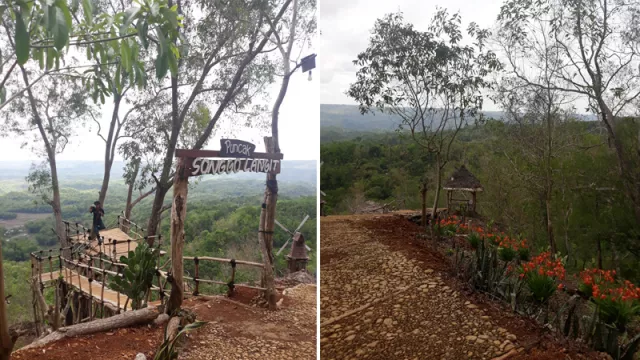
(343, 122)
(292, 170)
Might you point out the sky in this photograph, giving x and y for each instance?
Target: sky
(355, 18)
(299, 126)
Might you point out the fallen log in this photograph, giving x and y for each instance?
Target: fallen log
(126, 319)
(172, 328)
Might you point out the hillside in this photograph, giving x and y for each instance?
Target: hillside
(344, 122)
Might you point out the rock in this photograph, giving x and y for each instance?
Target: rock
(471, 306)
(511, 337)
(471, 338)
(140, 356)
(350, 337)
(388, 322)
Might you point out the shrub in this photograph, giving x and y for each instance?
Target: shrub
(474, 240)
(618, 303)
(506, 253)
(138, 275)
(540, 275)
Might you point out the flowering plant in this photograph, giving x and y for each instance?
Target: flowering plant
(540, 275)
(618, 302)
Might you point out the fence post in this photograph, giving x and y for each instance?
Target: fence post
(115, 252)
(231, 283)
(195, 278)
(117, 292)
(91, 298)
(104, 280)
(128, 246)
(50, 263)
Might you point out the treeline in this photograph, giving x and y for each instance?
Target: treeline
(587, 206)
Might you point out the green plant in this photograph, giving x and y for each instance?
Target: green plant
(541, 286)
(506, 253)
(524, 254)
(138, 275)
(167, 350)
(474, 240)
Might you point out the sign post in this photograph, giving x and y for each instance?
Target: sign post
(234, 156)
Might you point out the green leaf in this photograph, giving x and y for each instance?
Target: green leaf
(62, 5)
(21, 40)
(125, 54)
(162, 42)
(1, 62)
(170, 15)
(75, 4)
(60, 31)
(143, 29)
(118, 84)
(2, 9)
(129, 15)
(87, 8)
(3, 94)
(50, 17)
(162, 65)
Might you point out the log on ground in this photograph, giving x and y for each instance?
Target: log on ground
(129, 318)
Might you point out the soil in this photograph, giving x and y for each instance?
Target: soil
(236, 328)
(410, 307)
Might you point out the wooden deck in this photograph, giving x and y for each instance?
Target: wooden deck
(122, 247)
(81, 282)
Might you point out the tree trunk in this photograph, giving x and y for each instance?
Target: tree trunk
(265, 231)
(438, 186)
(599, 251)
(55, 205)
(629, 182)
(6, 343)
(154, 219)
(178, 214)
(126, 319)
(423, 194)
(550, 236)
(109, 148)
(128, 205)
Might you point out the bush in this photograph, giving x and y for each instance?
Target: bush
(474, 240)
(540, 275)
(7, 215)
(138, 275)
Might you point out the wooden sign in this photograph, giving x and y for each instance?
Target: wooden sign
(201, 166)
(236, 148)
(240, 157)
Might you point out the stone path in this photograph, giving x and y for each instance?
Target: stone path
(236, 331)
(378, 304)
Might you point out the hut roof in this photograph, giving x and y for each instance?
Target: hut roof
(463, 179)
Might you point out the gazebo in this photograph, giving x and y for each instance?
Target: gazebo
(462, 181)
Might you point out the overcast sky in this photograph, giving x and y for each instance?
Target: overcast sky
(346, 26)
(299, 127)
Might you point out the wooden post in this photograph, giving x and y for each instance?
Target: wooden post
(6, 344)
(265, 230)
(423, 195)
(473, 198)
(195, 277)
(233, 277)
(178, 214)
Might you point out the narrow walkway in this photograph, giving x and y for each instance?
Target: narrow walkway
(378, 304)
(81, 282)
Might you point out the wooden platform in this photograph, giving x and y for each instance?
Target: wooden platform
(122, 246)
(82, 282)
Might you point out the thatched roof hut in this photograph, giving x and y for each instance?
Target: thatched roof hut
(462, 180)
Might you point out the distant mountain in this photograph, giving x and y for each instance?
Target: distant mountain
(348, 120)
(291, 170)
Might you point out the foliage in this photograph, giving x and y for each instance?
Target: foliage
(167, 350)
(138, 275)
(540, 275)
(617, 302)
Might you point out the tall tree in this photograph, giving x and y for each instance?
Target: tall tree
(297, 29)
(428, 79)
(6, 343)
(226, 65)
(599, 44)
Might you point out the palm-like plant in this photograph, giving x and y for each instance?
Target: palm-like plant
(138, 275)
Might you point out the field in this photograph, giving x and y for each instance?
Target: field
(21, 220)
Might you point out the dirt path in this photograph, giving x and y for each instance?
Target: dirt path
(384, 295)
(239, 332)
(235, 330)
